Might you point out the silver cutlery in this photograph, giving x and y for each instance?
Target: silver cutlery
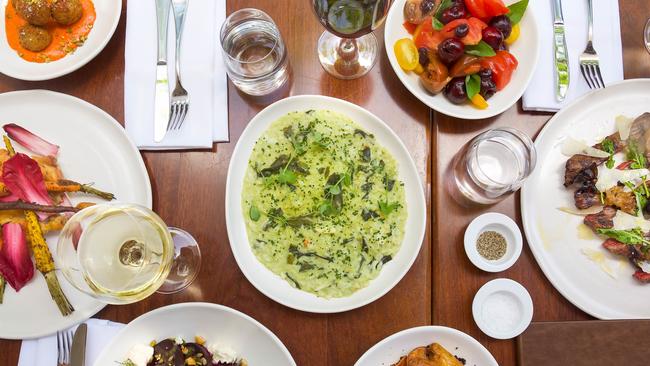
(162, 100)
(64, 346)
(562, 77)
(78, 351)
(180, 98)
(589, 60)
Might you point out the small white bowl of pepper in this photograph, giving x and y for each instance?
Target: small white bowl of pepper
(493, 242)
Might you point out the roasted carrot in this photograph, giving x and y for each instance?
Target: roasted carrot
(68, 186)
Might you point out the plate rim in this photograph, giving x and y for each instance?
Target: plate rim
(230, 229)
(432, 328)
(536, 248)
(478, 114)
(113, 124)
(189, 306)
(75, 66)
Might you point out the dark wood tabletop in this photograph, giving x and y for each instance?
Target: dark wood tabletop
(189, 191)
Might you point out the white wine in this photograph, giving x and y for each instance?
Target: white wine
(124, 253)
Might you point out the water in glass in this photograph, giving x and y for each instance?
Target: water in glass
(254, 53)
(494, 164)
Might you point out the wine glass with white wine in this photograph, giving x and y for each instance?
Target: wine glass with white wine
(123, 253)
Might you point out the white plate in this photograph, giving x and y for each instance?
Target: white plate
(553, 235)
(215, 323)
(272, 285)
(388, 351)
(108, 16)
(95, 149)
(526, 50)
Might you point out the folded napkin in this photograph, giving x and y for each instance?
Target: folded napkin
(202, 70)
(540, 95)
(43, 351)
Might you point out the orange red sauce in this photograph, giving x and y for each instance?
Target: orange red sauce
(65, 39)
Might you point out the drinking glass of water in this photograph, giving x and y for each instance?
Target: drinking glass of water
(494, 164)
(123, 253)
(254, 53)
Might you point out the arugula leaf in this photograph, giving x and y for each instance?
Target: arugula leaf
(472, 85)
(437, 25)
(608, 146)
(386, 208)
(517, 11)
(254, 213)
(482, 49)
(636, 156)
(629, 237)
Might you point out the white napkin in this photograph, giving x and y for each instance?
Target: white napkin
(540, 95)
(43, 351)
(202, 69)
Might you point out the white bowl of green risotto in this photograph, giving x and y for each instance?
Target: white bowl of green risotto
(324, 206)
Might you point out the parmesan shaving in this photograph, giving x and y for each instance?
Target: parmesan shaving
(624, 125)
(608, 178)
(571, 146)
(578, 212)
(624, 221)
(645, 266)
(599, 258)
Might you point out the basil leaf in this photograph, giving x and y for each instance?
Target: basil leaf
(437, 25)
(517, 11)
(472, 85)
(254, 213)
(443, 6)
(482, 49)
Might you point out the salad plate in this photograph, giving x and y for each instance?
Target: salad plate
(108, 14)
(274, 286)
(571, 255)
(212, 323)
(525, 49)
(388, 351)
(93, 149)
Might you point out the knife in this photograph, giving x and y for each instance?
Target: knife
(561, 55)
(78, 352)
(162, 101)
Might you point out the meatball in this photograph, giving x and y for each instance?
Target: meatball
(67, 12)
(34, 38)
(36, 12)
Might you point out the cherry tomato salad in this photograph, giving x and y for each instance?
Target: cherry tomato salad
(460, 47)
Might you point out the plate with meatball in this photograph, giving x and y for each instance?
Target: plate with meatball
(465, 58)
(46, 39)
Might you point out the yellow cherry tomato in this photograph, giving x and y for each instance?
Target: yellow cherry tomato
(479, 102)
(514, 35)
(418, 69)
(406, 53)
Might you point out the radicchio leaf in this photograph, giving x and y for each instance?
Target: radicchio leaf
(15, 262)
(23, 177)
(30, 141)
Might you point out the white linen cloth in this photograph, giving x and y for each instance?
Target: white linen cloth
(202, 70)
(540, 95)
(43, 351)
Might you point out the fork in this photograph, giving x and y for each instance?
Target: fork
(180, 99)
(589, 60)
(64, 346)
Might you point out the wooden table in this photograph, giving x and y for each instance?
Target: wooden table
(189, 190)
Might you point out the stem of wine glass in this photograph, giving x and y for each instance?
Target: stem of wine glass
(347, 58)
(186, 263)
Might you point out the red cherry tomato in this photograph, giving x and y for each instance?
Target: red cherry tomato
(485, 9)
(476, 8)
(426, 36)
(474, 35)
(502, 66)
(410, 27)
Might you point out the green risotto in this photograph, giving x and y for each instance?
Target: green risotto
(323, 205)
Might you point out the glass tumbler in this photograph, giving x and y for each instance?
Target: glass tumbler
(494, 164)
(254, 53)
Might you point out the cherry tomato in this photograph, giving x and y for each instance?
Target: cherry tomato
(485, 9)
(410, 27)
(479, 102)
(466, 65)
(474, 33)
(503, 64)
(514, 35)
(406, 54)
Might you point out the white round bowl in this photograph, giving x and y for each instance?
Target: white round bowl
(272, 285)
(502, 308)
(215, 323)
(503, 225)
(388, 351)
(108, 16)
(526, 50)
